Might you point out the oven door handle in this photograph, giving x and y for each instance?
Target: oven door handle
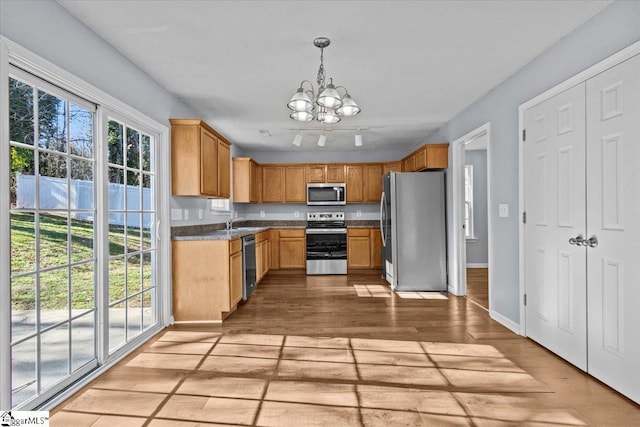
(326, 231)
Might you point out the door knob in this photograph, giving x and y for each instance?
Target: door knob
(592, 242)
(578, 241)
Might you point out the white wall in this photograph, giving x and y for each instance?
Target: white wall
(615, 28)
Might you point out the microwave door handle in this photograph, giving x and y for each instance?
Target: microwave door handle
(382, 233)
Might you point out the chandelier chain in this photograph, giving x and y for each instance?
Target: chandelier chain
(320, 79)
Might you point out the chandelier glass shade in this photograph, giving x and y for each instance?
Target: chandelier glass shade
(326, 104)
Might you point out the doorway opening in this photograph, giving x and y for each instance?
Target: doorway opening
(472, 213)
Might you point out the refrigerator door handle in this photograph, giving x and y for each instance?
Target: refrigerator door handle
(382, 233)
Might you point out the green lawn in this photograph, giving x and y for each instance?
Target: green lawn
(56, 251)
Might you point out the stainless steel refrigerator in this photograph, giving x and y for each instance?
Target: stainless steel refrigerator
(413, 227)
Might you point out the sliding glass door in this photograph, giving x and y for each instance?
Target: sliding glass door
(52, 216)
(82, 224)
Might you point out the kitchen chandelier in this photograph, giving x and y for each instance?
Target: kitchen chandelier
(326, 105)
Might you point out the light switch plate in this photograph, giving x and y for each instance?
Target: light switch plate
(503, 210)
(358, 213)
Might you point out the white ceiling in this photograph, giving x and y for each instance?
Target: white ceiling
(410, 65)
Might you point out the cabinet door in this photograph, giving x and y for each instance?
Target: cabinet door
(235, 278)
(335, 173)
(355, 190)
(224, 170)
(274, 250)
(254, 183)
(208, 163)
(292, 252)
(392, 167)
(266, 257)
(272, 184)
(420, 159)
(373, 183)
(259, 261)
(316, 173)
(409, 165)
(295, 184)
(438, 156)
(376, 248)
(358, 251)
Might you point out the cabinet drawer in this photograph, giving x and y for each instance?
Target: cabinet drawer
(363, 232)
(299, 232)
(235, 246)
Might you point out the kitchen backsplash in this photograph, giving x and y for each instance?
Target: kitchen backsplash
(360, 211)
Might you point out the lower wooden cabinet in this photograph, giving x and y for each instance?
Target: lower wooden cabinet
(262, 255)
(364, 247)
(288, 249)
(207, 279)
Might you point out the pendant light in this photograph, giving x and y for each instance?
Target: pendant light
(326, 104)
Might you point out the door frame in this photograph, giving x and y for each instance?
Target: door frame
(458, 264)
(613, 60)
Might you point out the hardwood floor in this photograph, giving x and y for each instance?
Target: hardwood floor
(478, 286)
(342, 351)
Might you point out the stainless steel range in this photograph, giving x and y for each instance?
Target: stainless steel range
(326, 243)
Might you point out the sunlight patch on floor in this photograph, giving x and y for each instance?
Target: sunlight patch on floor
(282, 380)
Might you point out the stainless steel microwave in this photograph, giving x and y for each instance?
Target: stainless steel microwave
(326, 194)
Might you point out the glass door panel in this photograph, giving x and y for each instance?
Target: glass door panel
(52, 213)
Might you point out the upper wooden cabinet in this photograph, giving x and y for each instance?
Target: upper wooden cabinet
(392, 167)
(284, 183)
(325, 173)
(295, 184)
(272, 184)
(372, 183)
(355, 183)
(429, 156)
(335, 173)
(316, 174)
(200, 160)
(246, 180)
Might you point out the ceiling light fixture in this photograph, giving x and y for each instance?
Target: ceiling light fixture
(326, 105)
(297, 141)
(358, 139)
(322, 139)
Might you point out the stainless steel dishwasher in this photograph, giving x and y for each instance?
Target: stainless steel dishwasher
(248, 265)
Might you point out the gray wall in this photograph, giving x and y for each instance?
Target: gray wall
(615, 28)
(477, 248)
(47, 29)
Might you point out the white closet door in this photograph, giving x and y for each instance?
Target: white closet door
(613, 212)
(555, 201)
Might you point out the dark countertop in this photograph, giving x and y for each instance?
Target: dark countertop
(242, 228)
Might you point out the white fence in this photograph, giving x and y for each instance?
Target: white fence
(55, 193)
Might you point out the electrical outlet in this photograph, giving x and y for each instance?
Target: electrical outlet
(358, 213)
(200, 214)
(296, 214)
(261, 214)
(503, 210)
(176, 214)
(235, 214)
(186, 214)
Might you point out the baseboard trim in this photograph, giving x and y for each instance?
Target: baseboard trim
(453, 291)
(505, 321)
(478, 265)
